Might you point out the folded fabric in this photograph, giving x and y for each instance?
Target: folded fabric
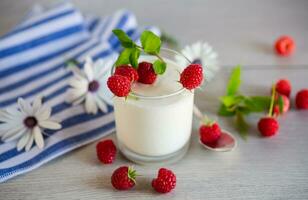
(32, 62)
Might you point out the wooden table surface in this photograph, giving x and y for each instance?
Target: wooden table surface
(242, 32)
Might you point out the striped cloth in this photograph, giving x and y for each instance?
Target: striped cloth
(32, 58)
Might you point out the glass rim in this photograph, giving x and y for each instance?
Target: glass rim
(174, 93)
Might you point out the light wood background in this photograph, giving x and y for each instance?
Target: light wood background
(242, 32)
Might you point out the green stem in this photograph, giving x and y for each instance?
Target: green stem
(272, 101)
(156, 54)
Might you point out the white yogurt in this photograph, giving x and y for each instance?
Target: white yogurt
(155, 127)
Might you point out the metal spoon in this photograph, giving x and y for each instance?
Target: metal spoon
(226, 142)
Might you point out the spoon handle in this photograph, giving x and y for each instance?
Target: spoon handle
(198, 113)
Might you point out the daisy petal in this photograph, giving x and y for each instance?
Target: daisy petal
(74, 94)
(13, 134)
(101, 104)
(78, 101)
(5, 116)
(48, 124)
(37, 103)
(25, 106)
(43, 113)
(4, 127)
(29, 142)
(23, 141)
(77, 72)
(90, 104)
(14, 112)
(106, 95)
(38, 137)
(80, 84)
(88, 69)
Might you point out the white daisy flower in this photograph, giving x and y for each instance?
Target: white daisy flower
(89, 86)
(201, 53)
(26, 123)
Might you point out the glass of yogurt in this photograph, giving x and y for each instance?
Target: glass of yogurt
(154, 123)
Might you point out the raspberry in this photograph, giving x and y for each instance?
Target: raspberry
(119, 85)
(192, 76)
(209, 133)
(128, 71)
(106, 151)
(123, 178)
(165, 181)
(283, 86)
(286, 105)
(268, 126)
(146, 73)
(301, 99)
(285, 46)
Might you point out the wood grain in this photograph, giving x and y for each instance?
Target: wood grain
(242, 32)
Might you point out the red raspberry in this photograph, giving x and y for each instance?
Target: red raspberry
(106, 151)
(128, 71)
(123, 178)
(283, 86)
(285, 46)
(301, 99)
(119, 85)
(165, 181)
(286, 105)
(192, 76)
(268, 126)
(209, 133)
(146, 73)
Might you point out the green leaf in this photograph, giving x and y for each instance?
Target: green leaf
(234, 81)
(229, 101)
(257, 103)
(124, 38)
(159, 67)
(241, 125)
(280, 103)
(223, 111)
(134, 56)
(150, 42)
(124, 57)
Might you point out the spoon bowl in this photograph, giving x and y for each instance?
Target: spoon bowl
(226, 142)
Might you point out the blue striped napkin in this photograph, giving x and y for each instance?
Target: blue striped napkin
(32, 58)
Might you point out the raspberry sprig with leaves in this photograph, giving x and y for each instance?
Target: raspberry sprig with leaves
(235, 104)
(150, 44)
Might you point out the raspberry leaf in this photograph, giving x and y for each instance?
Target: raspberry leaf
(224, 111)
(238, 105)
(124, 57)
(229, 101)
(234, 81)
(242, 125)
(124, 38)
(133, 58)
(150, 42)
(257, 103)
(159, 66)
